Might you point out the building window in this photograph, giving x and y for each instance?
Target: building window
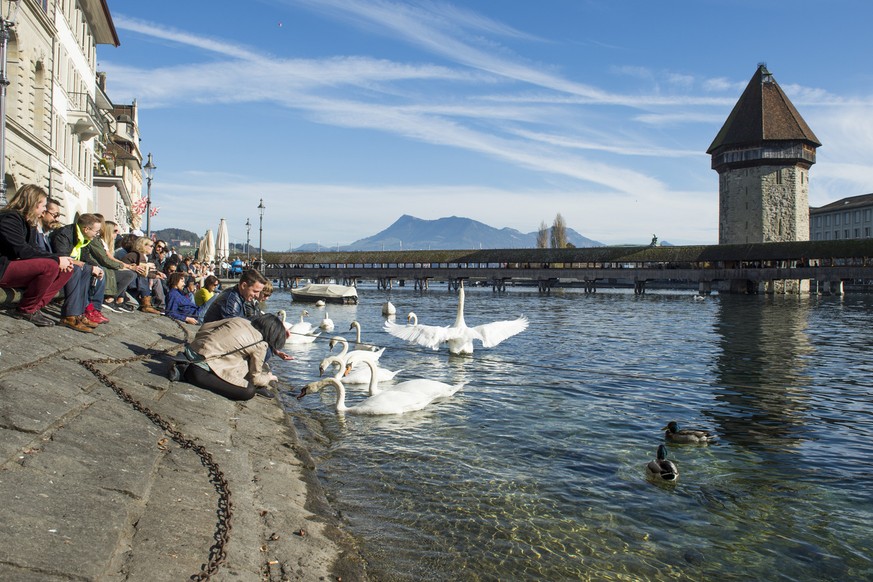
(779, 176)
(818, 221)
(857, 214)
(836, 220)
(846, 234)
(867, 215)
(827, 219)
(836, 235)
(866, 232)
(846, 218)
(857, 233)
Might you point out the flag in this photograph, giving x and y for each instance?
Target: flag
(155, 211)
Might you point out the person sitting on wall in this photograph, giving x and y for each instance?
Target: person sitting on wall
(180, 306)
(85, 290)
(22, 263)
(141, 286)
(227, 356)
(206, 294)
(118, 273)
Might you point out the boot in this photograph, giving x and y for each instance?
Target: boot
(145, 305)
(83, 319)
(75, 322)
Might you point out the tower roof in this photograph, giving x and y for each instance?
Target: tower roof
(763, 113)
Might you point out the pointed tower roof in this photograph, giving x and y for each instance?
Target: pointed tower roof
(763, 113)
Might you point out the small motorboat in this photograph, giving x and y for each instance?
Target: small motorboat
(315, 292)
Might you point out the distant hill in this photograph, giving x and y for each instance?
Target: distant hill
(177, 234)
(453, 232)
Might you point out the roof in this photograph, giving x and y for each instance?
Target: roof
(849, 203)
(763, 113)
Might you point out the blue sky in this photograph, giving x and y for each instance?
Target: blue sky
(344, 115)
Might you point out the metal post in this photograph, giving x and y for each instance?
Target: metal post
(261, 237)
(248, 231)
(6, 25)
(149, 168)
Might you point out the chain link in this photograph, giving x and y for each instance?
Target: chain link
(218, 551)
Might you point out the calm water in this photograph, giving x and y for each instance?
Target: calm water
(535, 471)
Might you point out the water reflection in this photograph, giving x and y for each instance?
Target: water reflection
(761, 381)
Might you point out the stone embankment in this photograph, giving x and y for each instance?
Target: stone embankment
(115, 473)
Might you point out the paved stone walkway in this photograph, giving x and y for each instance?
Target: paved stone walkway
(92, 489)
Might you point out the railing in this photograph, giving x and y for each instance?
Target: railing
(82, 104)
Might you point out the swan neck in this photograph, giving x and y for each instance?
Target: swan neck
(459, 320)
(340, 394)
(374, 381)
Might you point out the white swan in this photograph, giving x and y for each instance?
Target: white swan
(395, 401)
(388, 308)
(354, 356)
(360, 375)
(359, 345)
(301, 332)
(458, 336)
(412, 319)
(320, 303)
(326, 323)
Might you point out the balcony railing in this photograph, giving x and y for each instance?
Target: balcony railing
(84, 116)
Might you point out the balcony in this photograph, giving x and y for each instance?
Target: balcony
(84, 117)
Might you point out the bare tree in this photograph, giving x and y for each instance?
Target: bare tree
(543, 236)
(559, 232)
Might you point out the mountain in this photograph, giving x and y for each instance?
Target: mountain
(452, 232)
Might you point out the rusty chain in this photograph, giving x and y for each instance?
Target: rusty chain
(218, 551)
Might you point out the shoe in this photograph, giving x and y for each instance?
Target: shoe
(37, 318)
(75, 322)
(125, 307)
(261, 391)
(110, 307)
(83, 319)
(146, 306)
(95, 316)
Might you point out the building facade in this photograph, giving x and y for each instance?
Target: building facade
(763, 154)
(844, 219)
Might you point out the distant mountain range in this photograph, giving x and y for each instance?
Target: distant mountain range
(453, 232)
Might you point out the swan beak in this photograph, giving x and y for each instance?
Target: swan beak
(348, 369)
(321, 370)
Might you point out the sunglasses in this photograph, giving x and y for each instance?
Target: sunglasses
(53, 214)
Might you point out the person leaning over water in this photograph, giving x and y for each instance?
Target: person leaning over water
(227, 356)
(237, 301)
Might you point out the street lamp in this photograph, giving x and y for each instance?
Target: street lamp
(261, 208)
(149, 168)
(7, 22)
(248, 230)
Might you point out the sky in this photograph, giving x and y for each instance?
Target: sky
(343, 115)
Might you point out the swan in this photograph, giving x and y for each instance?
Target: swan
(361, 375)
(458, 336)
(354, 356)
(326, 323)
(686, 435)
(358, 344)
(412, 319)
(662, 469)
(300, 332)
(395, 401)
(388, 308)
(320, 303)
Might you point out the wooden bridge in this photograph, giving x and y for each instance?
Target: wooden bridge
(793, 267)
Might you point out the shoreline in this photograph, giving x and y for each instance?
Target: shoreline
(95, 489)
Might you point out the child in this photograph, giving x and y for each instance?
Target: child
(180, 306)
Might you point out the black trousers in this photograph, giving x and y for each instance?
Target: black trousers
(199, 377)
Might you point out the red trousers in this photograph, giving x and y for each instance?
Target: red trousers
(41, 279)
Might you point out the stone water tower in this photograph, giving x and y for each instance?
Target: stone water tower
(763, 154)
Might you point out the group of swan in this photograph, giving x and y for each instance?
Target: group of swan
(457, 336)
(404, 397)
(301, 332)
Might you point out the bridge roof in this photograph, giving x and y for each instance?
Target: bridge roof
(613, 254)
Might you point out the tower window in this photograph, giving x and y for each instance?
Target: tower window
(779, 176)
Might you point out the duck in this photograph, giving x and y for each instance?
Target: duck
(301, 332)
(686, 436)
(326, 323)
(662, 469)
(396, 401)
(359, 345)
(360, 375)
(458, 336)
(388, 308)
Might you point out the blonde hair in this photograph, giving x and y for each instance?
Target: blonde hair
(108, 235)
(140, 244)
(26, 200)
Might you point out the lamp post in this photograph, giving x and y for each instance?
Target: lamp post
(7, 22)
(261, 208)
(248, 231)
(149, 168)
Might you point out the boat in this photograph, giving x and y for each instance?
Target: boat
(329, 293)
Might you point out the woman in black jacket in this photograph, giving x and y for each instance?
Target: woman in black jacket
(22, 263)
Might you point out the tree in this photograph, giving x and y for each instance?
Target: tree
(543, 236)
(559, 232)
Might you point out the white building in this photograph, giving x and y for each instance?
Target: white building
(844, 219)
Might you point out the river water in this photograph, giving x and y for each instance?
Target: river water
(535, 470)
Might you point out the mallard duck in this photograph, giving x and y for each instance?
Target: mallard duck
(688, 436)
(661, 468)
